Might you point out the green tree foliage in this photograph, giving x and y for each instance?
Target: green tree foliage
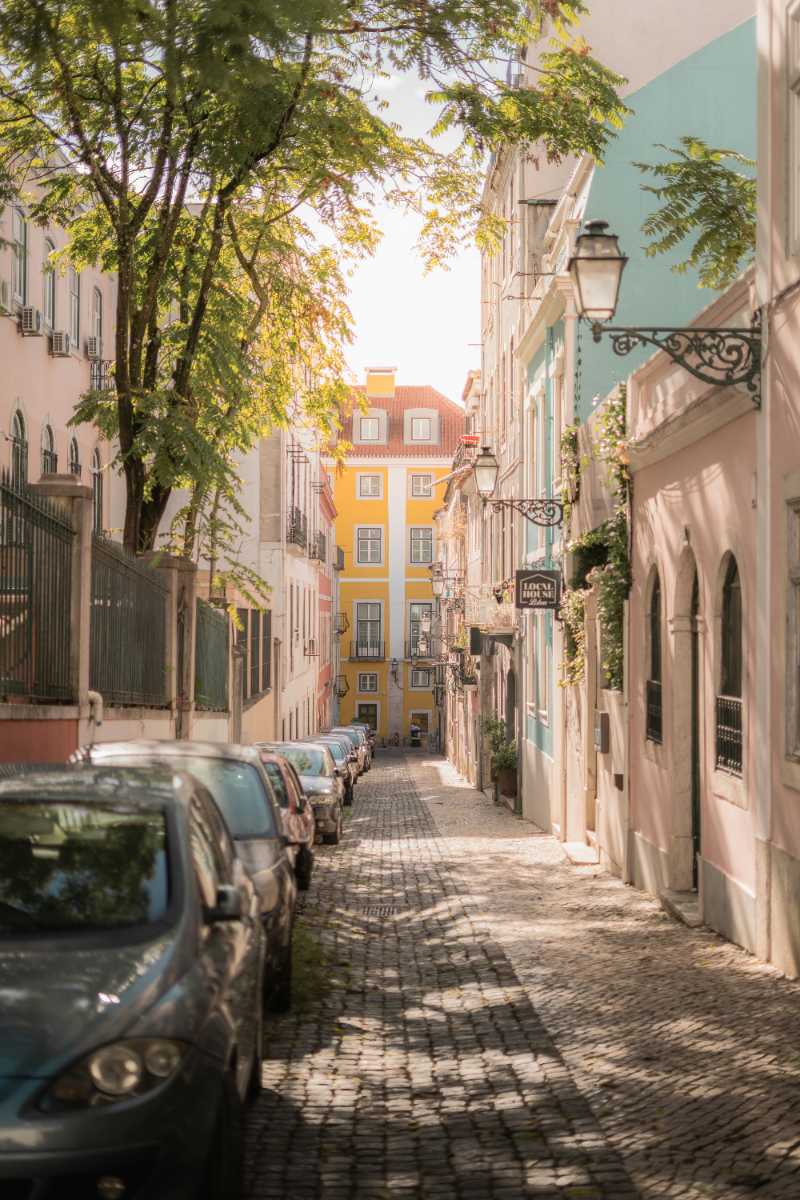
(160, 131)
(709, 195)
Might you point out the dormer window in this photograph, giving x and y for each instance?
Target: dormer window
(369, 429)
(421, 429)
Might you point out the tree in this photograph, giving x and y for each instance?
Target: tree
(116, 114)
(704, 196)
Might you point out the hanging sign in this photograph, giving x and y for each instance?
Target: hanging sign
(538, 588)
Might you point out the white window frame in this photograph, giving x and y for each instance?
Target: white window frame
(793, 125)
(362, 437)
(369, 476)
(355, 623)
(420, 541)
(97, 314)
(416, 421)
(415, 685)
(48, 286)
(362, 687)
(369, 562)
(19, 250)
(74, 284)
(423, 480)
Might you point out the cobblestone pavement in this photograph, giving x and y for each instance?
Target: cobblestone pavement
(501, 1023)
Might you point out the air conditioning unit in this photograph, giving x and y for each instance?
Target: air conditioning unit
(60, 343)
(30, 321)
(5, 298)
(94, 348)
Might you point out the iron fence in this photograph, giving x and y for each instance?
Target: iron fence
(297, 529)
(128, 648)
(729, 734)
(654, 725)
(211, 659)
(36, 546)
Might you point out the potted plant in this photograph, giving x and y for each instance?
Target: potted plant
(504, 768)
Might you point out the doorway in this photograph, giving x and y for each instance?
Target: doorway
(695, 634)
(367, 714)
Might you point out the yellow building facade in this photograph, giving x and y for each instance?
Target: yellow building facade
(403, 440)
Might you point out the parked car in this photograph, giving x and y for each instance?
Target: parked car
(359, 742)
(370, 732)
(130, 1002)
(364, 739)
(296, 811)
(345, 760)
(317, 771)
(240, 786)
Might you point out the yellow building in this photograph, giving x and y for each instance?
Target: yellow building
(386, 497)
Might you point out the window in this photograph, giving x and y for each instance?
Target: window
(420, 429)
(74, 281)
(368, 626)
(654, 721)
(74, 457)
(420, 679)
(793, 633)
(541, 679)
(48, 286)
(97, 314)
(369, 487)
(206, 864)
(278, 783)
(266, 650)
(49, 456)
(422, 486)
(420, 614)
(369, 429)
(255, 653)
(368, 682)
(793, 104)
(369, 544)
(97, 493)
(19, 451)
(19, 256)
(729, 741)
(421, 545)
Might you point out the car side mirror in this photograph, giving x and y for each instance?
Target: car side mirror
(227, 908)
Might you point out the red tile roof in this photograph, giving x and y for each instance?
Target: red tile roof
(451, 424)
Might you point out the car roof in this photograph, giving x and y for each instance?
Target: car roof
(146, 786)
(164, 748)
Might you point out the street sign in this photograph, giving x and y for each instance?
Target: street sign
(538, 588)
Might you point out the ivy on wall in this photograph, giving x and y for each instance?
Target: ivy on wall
(601, 558)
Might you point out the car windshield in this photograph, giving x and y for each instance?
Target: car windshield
(239, 793)
(307, 760)
(80, 868)
(350, 734)
(337, 750)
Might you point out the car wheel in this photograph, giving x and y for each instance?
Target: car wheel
(348, 798)
(254, 1082)
(333, 839)
(224, 1166)
(303, 869)
(280, 995)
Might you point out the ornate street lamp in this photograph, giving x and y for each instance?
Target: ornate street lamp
(539, 512)
(724, 357)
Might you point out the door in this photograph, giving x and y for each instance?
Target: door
(696, 710)
(367, 714)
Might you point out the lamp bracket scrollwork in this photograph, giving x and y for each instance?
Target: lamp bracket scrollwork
(548, 513)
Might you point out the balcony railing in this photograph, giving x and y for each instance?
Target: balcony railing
(365, 649)
(421, 647)
(467, 450)
(317, 547)
(654, 725)
(341, 623)
(297, 528)
(101, 375)
(729, 734)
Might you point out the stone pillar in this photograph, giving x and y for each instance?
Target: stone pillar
(173, 569)
(186, 644)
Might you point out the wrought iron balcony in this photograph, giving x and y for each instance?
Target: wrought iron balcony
(729, 734)
(367, 649)
(341, 623)
(297, 528)
(654, 725)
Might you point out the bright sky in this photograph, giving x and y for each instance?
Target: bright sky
(421, 324)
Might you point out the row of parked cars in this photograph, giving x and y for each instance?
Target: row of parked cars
(147, 898)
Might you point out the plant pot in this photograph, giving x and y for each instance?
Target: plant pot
(507, 781)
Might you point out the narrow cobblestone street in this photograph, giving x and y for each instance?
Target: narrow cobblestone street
(501, 1023)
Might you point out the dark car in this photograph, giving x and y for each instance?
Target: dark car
(344, 760)
(317, 772)
(130, 988)
(296, 811)
(236, 779)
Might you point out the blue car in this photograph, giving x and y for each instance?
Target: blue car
(131, 967)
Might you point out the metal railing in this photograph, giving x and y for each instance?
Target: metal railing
(367, 649)
(729, 734)
(101, 375)
(420, 647)
(321, 547)
(211, 658)
(36, 548)
(297, 528)
(128, 638)
(654, 720)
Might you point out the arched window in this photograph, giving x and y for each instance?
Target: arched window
(49, 286)
(729, 739)
(97, 314)
(19, 450)
(654, 730)
(49, 456)
(97, 493)
(74, 457)
(74, 307)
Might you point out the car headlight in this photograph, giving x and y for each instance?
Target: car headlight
(116, 1072)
